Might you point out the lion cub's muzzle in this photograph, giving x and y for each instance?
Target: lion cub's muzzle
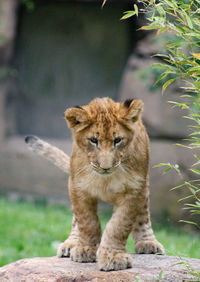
(105, 170)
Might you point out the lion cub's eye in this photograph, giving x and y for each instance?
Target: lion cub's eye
(117, 140)
(93, 141)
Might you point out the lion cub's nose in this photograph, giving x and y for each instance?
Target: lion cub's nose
(106, 165)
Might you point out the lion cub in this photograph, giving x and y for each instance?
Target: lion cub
(109, 161)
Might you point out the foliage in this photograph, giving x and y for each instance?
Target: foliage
(131, 13)
(29, 4)
(180, 62)
(36, 229)
(169, 167)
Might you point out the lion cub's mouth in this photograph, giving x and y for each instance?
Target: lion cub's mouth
(106, 172)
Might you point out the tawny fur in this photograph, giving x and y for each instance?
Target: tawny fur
(109, 161)
(49, 152)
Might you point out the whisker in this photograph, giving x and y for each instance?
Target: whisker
(117, 164)
(92, 164)
(84, 168)
(125, 168)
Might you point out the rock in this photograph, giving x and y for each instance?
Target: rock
(145, 268)
(2, 115)
(149, 45)
(8, 15)
(8, 10)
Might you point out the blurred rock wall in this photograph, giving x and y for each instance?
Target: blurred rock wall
(23, 173)
(8, 20)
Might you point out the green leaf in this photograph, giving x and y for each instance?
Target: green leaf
(153, 15)
(174, 44)
(167, 169)
(162, 164)
(197, 171)
(195, 115)
(167, 83)
(185, 198)
(163, 29)
(176, 167)
(169, 3)
(181, 105)
(178, 186)
(189, 222)
(163, 66)
(180, 28)
(160, 10)
(161, 55)
(163, 75)
(160, 275)
(127, 15)
(136, 9)
(151, 26)
(194, 206)
(195, 133)
(189, 21)
(197, 157)
(197, 68)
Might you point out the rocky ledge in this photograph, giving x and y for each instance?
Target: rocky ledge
(145, 268)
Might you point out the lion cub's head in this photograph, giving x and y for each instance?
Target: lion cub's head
(103, 130)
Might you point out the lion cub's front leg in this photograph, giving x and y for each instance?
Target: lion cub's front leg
(145, 241)
(72, 240)
(85, 212)
(111, 254)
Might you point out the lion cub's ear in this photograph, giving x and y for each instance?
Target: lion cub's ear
(77, 117)
(131, 109)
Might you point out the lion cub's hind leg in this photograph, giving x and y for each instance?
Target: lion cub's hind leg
(65, 247)
(145, 241)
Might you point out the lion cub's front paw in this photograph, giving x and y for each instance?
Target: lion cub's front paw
(149, 247)
(83, 254)
(65, 247)
(109, 260)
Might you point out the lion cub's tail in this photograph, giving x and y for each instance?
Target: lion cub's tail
(49, 152)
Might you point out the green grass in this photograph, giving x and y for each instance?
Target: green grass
(30, 230)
